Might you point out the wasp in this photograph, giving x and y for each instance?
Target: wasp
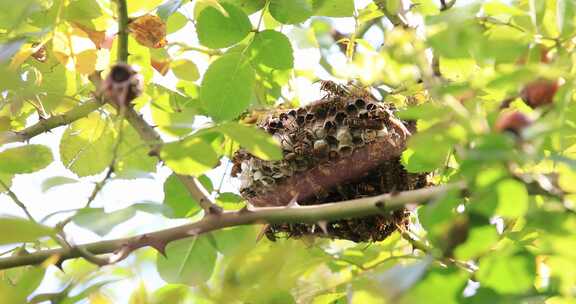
(333, 88)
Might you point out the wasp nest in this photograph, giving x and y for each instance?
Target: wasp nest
(342, 147)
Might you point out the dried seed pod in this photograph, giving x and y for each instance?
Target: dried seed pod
(122, 85)
(149, 30)
(512, 122)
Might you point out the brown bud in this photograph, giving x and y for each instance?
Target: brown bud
(540, 92)
(512, 121)
(122, 85)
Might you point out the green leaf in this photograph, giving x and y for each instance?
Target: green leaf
(177, 197)
(512, 198)
(249, 6)
(334, 8)
(25, 159)
(171, 293)
(83, 11)
(227, 87)
(56, 181)
(419, 157)
(133, 160)
(175, 22)
(185, 70)
(509, 274)
(256, 141)
(17, 288)
(230, 201)
(21, 230)
(291, 11)
(272, 49)
(216, 30)
(191, 156)
(101, 222)
(188, 261)
(480, 239)
(86, 146)
(233, 240)
(6, 179)
(174, 113)
(440, 285)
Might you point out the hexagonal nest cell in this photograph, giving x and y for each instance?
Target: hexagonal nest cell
(344, 146)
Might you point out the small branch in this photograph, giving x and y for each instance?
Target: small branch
(16, 200)
(45, 125)
(122, 31)
(395, 19)
(381, 204)
(150, 136)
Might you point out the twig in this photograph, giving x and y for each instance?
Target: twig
(150, 136)
(45, 125)
(380, 204)
(395, 19)
(184, 47)
(122, 31)
(16, 200)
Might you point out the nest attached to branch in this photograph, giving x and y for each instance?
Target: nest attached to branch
(345, 146)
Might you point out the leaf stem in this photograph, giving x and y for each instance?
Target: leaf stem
(16, 200)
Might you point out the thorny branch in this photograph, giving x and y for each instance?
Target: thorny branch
(45, 125)
(118, 249)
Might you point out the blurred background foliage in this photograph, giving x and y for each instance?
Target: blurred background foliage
(490, 84)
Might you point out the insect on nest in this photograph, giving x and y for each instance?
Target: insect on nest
(348, 128)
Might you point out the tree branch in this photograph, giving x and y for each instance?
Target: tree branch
(45, 125)
(120, 248)
(153, 139)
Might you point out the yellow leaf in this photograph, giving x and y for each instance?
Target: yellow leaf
(98, 298)
(74, 49)
(149, 30)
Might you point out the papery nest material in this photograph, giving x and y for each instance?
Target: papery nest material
(345, 146)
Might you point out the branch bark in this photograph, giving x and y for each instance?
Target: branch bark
(122, 31)
(120, 248)
(154, 141)
(45, 125)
